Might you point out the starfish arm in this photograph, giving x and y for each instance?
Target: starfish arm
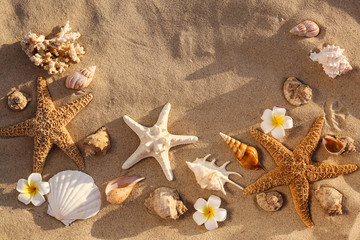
(163, 159)
(136, 157)
(319, 171)
(308, 145)
(64, 141)
(300, 193)
(42, 147)
(70, 110)
(136, 127)
(21, 129)
(279, 152)
(273, 178)
(44, 101)
(162, 121)
(176, 140)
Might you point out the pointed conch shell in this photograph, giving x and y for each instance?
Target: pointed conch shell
(306, 29)
(82, 79)
(246, 155)
(333, 145)
(119, 189)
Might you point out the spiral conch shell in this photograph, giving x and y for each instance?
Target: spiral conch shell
(82, 79)
(338, 145)
(306, 28)
(119, 189)
(246, 155)
(209, 176)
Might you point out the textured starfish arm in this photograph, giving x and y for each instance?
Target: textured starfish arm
(181, 139)
(136, 157)
(21, 129)
(42, 147)
(300, 193)
(319, 171)
(308, 145)
(44, 100)
(279, 152)
(70, 110)
(163, 159)
(164, 116)
(136, 127)
(272, 179)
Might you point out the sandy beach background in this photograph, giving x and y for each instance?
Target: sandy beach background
(220, 64)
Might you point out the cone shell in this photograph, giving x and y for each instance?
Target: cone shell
(82, 79)
(119, 189)
(246, 155)
(306, 28)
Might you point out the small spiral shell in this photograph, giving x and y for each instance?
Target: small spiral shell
(82, 79)
(306, 28)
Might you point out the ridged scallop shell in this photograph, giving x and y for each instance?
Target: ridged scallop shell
(73, 195)
(332, 60)
(306, 28)
(330, 199)
(82, 79)
(296, 93)
(209, 176)
(246, 155)
(119, 189)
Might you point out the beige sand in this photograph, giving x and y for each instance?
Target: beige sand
(220, 64)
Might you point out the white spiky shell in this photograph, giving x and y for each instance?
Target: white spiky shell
(73, 195)
(209, 176)
(333, 61)
(81, 79)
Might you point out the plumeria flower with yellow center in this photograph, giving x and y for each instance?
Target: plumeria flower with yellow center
(276, 122)
(32, 190)
(208, 212)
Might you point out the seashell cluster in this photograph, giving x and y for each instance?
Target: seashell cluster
(338, 145)
(333, 61)
(246, 155)
(73, 195)
(17, 101)
(119, 189)
(306, 28)
(55, 54)
(209, 176)
(270, 201)
(81, 79)
(330, 199)
(166, 203)
(97, 143)
(296, 93)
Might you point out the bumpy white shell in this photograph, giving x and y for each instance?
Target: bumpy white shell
(333, 61)
(82, 79)
(330, 199)
(73, 195)
(209, 176)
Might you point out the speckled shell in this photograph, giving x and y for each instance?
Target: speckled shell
(270, 201)
(119, 189)
(17, 101)
(82, 79)
(246, 155)
(306, 28)
(330, 199)
(296, 93)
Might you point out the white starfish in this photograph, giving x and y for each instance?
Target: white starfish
(156, 142)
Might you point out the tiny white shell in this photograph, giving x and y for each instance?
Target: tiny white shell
(82, 79)
(73, 195)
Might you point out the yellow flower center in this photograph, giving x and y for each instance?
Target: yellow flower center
(277, 120)
(32, 189)
(209, 212)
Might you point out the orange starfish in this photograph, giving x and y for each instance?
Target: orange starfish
(296, 168)
(48, 127)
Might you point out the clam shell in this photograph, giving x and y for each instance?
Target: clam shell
(81, 79)
(119, 189)
(296, 93)
(306, 28)
(73, 195)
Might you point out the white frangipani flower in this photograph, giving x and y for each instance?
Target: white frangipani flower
(32, 190)
(276, 122)
(208, 212)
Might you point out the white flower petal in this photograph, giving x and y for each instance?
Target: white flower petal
(24, 198)
(199, 218)
(266, 126)
(279, 111)
(44, 188)
(214, 201)
(34, 178)
(200, 204)
(211, 224)
(38, 199)
(278, 132)
(21, 185)
(288, 122)
(267, 115)
(220, 214)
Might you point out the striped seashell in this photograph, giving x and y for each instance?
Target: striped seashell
(246, 155)
(306, 28)
(80, 80)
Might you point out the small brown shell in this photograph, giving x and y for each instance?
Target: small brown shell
(296, 93)
(97, 143)
(17, 101)
(338, 145)
(119, 189)
(306, 28)
(330, 199)
(270, 201)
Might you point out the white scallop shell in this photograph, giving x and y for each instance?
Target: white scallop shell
(333, 61)
(73, 195)
(209, 176)
(82, 79)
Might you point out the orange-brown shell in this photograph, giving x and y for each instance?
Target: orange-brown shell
(119, 189)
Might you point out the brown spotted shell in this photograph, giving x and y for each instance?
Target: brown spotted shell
(296, 93)
(270, 201)
(306, 28)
